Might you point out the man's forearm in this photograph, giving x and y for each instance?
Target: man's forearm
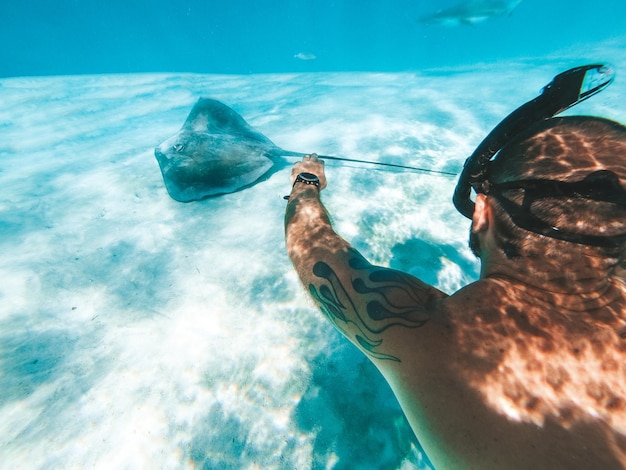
(308, 232)
(322, 260)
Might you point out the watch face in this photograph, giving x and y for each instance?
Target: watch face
(308, 177)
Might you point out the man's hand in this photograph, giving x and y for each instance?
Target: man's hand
(310, 164)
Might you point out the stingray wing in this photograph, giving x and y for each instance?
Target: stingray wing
(215, 118)
(215, 152)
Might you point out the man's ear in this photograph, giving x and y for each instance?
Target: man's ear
(481, 216)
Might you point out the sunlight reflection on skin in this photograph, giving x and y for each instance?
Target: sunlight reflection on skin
(569, 367)
(310, 227)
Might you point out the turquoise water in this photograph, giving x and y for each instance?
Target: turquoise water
(244, 36)
(138, 332)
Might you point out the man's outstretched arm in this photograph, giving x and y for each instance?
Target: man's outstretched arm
(370, 305)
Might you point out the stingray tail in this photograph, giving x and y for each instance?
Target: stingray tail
(367, 162)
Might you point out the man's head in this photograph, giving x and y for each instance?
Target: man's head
(565, 149)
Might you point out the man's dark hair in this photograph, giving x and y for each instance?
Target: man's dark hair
(563, 149)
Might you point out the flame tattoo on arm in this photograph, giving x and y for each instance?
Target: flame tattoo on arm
(377, 299)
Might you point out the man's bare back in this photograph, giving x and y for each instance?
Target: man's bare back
(519, 384)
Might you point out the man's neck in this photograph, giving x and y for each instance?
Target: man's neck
(573, 280)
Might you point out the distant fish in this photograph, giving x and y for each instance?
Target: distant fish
(304, 56)
(472, 12)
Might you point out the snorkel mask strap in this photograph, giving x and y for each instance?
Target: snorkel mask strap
(600, 186)
(565, 90)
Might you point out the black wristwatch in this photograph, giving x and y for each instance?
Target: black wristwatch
(307, 178)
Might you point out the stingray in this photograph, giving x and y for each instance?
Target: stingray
(217, 152)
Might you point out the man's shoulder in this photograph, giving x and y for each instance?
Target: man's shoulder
(500, 300)
(480, 293)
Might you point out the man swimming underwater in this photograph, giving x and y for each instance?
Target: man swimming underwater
(526, 367)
